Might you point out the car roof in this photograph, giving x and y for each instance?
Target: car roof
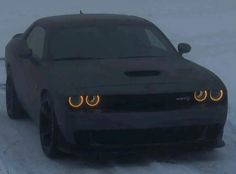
(88, 19)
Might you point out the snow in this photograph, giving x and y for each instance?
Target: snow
(208, 25)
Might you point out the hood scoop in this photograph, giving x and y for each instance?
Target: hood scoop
(142, 73)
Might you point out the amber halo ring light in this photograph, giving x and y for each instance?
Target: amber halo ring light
(216, 95)
(76, 102)
(92, 101)
(200, 96)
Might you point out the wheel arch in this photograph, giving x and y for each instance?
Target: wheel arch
(43, 95)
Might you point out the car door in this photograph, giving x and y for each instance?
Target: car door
(30, 74)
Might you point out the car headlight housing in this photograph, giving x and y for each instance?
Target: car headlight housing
(200, 96)
(92, 101)
(75, 101)
(216, 95)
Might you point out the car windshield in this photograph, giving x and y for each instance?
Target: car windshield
(121, 41)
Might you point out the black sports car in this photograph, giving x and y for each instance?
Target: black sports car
(103, 81)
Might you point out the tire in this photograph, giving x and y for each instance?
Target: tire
(48, 130)
(14, 107)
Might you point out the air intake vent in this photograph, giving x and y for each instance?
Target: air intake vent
(141, 73)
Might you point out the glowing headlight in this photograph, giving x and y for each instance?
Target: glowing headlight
(92, 100)
(200, 96)
(75, 102)
(216, 95)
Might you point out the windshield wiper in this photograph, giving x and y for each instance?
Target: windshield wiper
(127, 57)
(77, 58)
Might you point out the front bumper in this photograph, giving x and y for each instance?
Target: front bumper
(88, 130)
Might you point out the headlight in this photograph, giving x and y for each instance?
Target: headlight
(92, 100)
(200, 96)
(216, 95)
(75, 102)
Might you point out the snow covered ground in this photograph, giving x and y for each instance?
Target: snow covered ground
(208, 25)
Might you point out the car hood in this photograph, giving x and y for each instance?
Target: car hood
(127, 76)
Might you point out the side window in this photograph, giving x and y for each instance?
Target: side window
(35, 41)
(154, 40)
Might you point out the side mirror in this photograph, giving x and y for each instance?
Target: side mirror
(25, 53)
(17, 35)
(184, 48)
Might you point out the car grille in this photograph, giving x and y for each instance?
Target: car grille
(146, 103)
(148, 136)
